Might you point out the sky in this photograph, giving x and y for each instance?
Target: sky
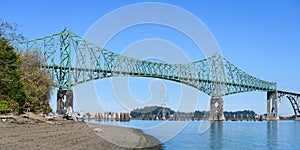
(259, 37)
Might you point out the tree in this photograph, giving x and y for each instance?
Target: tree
(23, 84)
(38, 83)
(12, 91)
(8, 31)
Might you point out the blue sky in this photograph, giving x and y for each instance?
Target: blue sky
(260, 37)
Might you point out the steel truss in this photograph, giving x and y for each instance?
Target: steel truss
(72, 61)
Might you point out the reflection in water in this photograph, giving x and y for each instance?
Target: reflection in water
(272, 134)
(216, 135)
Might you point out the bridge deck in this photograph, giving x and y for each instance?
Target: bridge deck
(172, 78)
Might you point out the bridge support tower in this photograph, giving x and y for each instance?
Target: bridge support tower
(216, 109)
(272, 105)
(64, 100)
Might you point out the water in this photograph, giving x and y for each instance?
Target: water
(220, 135)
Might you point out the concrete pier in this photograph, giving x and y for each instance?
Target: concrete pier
(216, 109)
(272, 105)
(64, 100)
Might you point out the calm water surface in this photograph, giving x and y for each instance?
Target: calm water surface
(221, 135)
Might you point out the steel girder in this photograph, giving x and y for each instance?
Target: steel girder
(72, 60)
(294, 99)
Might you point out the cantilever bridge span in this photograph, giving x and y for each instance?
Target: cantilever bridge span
(72, 61)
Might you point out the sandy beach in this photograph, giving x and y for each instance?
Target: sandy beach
(72, 135)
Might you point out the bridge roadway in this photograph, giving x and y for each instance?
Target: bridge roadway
(172, 78)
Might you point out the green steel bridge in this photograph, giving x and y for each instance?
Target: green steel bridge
(72, 61)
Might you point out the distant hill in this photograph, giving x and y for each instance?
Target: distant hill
(152, 113)
(162, 113)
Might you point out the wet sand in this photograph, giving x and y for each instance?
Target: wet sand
(72, 135)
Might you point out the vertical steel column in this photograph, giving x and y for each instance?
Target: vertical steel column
(216, 109)
(65, 49)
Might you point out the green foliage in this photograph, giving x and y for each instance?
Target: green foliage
(151, 111)
(12, 88)
(3, 106)
(38, 82)
(240, 114)
(22, 83)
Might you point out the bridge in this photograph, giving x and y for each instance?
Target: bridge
(72, 60)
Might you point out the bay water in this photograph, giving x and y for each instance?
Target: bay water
(220, 135)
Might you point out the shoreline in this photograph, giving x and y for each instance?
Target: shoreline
(73, 135)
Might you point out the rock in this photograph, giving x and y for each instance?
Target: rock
(98, 130)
